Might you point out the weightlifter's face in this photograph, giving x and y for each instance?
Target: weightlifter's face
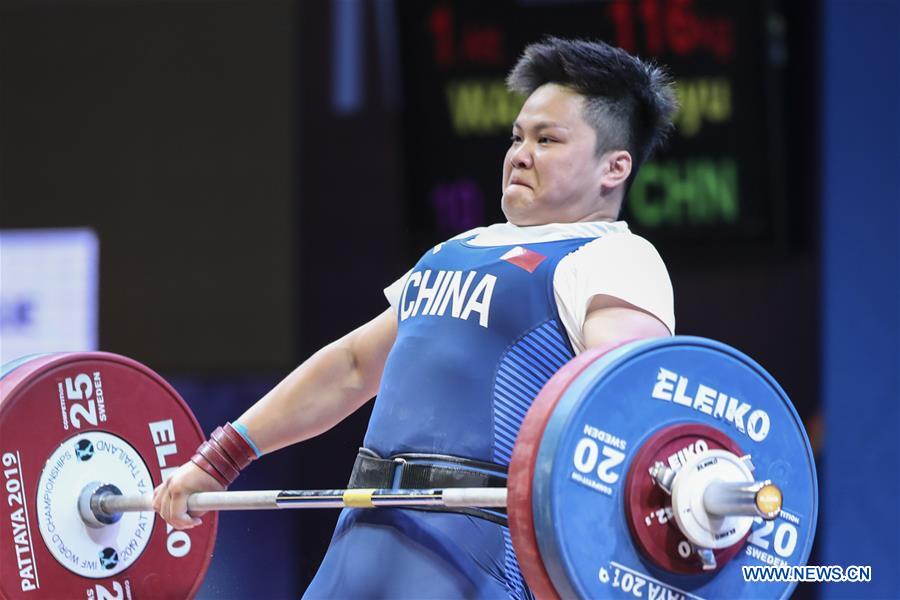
(551, 173)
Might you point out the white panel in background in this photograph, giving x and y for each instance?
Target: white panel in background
(49, 281)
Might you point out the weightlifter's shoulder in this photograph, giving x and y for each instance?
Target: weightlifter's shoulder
(619, 264)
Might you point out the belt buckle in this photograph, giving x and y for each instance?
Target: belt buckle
(399, 466)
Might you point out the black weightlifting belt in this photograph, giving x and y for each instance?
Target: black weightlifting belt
(429, 471)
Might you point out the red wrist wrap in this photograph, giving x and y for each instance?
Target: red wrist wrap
(199, 460)
(235, 454)
(211, 452)
(224, 454)
(244, 450)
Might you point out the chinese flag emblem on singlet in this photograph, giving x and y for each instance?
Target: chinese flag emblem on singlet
(524, 258)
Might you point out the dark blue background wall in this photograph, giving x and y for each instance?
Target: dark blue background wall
(860, 238)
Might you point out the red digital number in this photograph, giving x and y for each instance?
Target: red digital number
(441, 24)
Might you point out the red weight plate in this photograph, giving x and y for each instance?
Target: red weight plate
(67, 420)
(648, 508)
(521, 470)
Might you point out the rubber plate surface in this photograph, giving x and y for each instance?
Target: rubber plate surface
(66, 420)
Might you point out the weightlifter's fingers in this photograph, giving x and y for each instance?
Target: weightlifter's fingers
(158, 495)
(172, 495)
(175, 510)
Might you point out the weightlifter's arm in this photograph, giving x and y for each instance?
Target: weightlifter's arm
(611, 320)
(326, 388)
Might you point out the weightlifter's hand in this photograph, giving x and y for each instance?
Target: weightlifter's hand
(170, 497)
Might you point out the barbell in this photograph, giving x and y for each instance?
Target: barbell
(658, 469)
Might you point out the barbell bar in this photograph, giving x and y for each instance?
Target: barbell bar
(720, 499)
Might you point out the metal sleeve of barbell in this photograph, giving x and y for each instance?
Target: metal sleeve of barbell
(354, 498)
(751, 499)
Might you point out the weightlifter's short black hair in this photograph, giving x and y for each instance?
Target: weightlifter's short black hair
(629, 103)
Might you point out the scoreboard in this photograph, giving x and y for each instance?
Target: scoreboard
(720, 178)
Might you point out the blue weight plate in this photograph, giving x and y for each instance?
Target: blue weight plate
(599, 424)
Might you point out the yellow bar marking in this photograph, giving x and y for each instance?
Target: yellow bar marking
(359, 498)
